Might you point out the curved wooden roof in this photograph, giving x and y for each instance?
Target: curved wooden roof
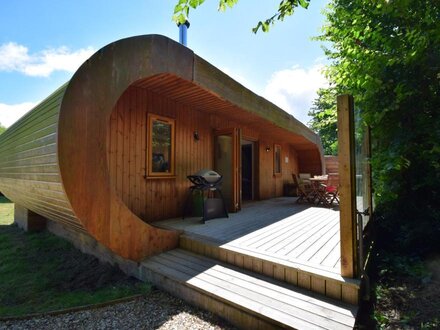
(73, 139)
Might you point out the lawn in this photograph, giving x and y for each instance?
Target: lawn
(41, 272)
(6, 211)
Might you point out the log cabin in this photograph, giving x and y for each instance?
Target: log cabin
(108, 153)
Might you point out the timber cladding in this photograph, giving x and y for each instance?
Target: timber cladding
(331, 164)
(127, 153)
(29, 172)
(79, 158)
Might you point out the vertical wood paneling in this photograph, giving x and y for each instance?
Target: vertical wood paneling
(309, 162)
(138, 161)
(126, 148)
(270, 185)
(143, 104)
(133, 153)
(120, 146)
(157, 199)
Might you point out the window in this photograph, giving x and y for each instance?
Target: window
(277, 159)
(161, 143)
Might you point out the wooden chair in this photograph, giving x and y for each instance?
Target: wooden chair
(304, 177)
(304, 189)
(332, 188)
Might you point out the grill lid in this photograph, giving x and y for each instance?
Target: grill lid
(209, 175)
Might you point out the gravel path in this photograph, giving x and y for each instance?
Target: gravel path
(158, 310)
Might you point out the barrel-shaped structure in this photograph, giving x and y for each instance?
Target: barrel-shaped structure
(55, 162)
(29, 170)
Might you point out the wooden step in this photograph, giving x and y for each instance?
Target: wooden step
(319, 279)
(246, 299)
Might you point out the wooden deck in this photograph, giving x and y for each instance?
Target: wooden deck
(278, 229)
(274, 264)
(248, 300)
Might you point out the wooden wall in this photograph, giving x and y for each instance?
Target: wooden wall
(309, 162)
(271, 185)
(29, 173)
(331, 164)
(157, 199)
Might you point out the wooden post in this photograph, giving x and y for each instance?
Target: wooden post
(347, 184)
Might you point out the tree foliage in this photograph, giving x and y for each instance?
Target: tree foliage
(324, 119)
(386, 53)
(285, 8)
(2, 128)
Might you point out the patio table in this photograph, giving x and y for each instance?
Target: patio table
(318, 191)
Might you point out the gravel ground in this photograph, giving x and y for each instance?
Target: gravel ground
(158, 310)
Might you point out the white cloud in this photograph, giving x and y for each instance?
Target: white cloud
(294, 90)
(15, 57)
(12, 56)
(10, 113)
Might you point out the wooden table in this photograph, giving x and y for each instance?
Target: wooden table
(318, 191)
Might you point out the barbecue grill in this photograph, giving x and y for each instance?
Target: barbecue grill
(206, 178)
(207, 181)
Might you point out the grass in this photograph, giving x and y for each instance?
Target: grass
(6, 211)
(40, 272)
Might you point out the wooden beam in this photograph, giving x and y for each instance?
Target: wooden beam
(347, 184)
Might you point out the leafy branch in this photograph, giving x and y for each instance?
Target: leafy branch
(285, 8)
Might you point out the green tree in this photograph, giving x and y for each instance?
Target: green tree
(387, 55)
(324, 119)
(285, 8)
(2, 128)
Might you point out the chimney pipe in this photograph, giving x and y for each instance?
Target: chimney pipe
(182, 32)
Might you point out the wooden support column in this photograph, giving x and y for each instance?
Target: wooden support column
(347, 187)
(28, 220)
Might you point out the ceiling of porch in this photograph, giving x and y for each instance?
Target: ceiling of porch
(201, 99)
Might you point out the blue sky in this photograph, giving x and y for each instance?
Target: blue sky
(43, 42)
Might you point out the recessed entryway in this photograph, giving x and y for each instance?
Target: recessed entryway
(247, 170)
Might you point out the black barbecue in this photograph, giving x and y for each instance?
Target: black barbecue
(208, 182)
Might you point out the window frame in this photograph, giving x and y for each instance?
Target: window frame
(151, 118)
(275, 148)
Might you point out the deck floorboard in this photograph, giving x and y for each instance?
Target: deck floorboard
(279, 228)
(274, 301)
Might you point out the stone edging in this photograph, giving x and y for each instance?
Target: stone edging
(72, 309)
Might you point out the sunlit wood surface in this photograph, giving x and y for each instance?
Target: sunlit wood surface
(277, 228)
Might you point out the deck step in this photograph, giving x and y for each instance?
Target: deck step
(246, 299)
(317, 279)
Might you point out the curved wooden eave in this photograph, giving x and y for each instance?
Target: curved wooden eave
(84, 115)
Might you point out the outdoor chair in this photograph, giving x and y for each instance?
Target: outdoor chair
(305, 177)
(332, 188)
(304, 189)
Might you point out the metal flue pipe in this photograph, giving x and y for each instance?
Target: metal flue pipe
(183, 32)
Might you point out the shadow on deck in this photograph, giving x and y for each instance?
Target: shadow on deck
(279, 228)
